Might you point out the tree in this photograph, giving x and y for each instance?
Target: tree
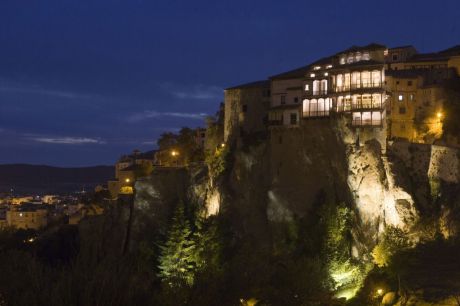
(393, 240)
(166, 141)
(177, 261)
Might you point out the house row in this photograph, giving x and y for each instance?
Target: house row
(397, 90)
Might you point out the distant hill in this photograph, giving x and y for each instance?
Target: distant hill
(46, 179)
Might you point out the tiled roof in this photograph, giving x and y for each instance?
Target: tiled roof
(370, 47)
(262, 83)
(302, 71)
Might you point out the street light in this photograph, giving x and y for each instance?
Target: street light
(174, 153)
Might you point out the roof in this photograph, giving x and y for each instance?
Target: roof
(292, 74)
(262, 83)
(301, 71)
(402, 47)
(442, 55)
(369, 47)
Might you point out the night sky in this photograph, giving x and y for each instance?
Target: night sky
(84, 81)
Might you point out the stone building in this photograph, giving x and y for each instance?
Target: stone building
(126, 168)
(246, 108)
(27, 216)
(286, 95)
(382, 93)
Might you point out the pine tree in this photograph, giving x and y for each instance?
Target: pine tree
(177, 262)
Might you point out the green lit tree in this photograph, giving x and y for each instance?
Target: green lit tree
(178, 260)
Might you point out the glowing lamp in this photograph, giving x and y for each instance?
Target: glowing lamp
(222, 145)
(127, 180)
(439, 115)
(174, 153)
(379, 291)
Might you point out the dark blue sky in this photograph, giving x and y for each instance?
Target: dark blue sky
(83, 81)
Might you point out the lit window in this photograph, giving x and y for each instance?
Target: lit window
(366, 56)
(358, 56)
(400, 97)
(312, 75)
(20, 214)
(307, 87)
(329, 66)
(411, 97)
(317, 68)
(342, 60)
(326, 74)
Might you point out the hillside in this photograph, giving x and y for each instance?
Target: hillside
(26, 178)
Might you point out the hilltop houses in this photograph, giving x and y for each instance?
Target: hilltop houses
(394, 92)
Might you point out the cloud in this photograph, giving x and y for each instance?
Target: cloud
(196, 92)
(154, 114)
(68, 140)
(8, 86)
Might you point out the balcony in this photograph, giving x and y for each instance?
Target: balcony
(315, 114)
(363, 85)
(319, 92)
(367, 105)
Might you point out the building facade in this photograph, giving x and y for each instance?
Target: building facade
(246, 108)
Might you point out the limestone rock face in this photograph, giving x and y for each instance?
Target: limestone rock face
(367, 181)
(380, 196)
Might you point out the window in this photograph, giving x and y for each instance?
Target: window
(358, 56)
(402, 110)
(397, 82)
(409, 83)
(403, 127)
(366, 56)
(350, 59)
(342, 60)
(307, 87)
(283, 99)
(293, 118)
(400, 97)
(329, 66)
(326, 74)
(296, 100)
(312, 75)
(411, 97)
(317, 67)
(395, 57)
